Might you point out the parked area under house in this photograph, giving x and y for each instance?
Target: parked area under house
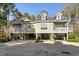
(29, 36)
(23, 36)
(61, 36)
(41, 36)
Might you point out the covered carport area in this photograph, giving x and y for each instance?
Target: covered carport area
(45, 36)
(29, 36)
(23, 36)
(61, 36)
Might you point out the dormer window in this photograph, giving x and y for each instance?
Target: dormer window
(59, 16)
(43, 15)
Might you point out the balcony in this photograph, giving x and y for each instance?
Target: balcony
(59, 29)
(18, 30)
(23, 30)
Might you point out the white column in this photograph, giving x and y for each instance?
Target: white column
(67, 30)
(36, 36)
(64, 38)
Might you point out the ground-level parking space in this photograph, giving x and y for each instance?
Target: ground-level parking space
(60, 36)
(45, 36)
(42, 36)
(39, 49)
(23, 36)
(30, 36)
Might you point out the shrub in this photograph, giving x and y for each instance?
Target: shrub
(54, 36)
(73, 38)
(3, 39)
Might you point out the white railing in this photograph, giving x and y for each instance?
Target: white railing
(23, 30)
(60, 29)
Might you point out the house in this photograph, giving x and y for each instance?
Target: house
(44, 28)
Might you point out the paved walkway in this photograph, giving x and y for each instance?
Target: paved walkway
(68, 43)
(18, 42)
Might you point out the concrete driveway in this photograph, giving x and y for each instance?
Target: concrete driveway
(39, 49)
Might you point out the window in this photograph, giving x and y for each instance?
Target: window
(43, 26)
(29, 26)
(60, 24)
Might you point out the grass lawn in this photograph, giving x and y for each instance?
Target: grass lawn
(73, 40)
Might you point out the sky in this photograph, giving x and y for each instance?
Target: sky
(36, 8)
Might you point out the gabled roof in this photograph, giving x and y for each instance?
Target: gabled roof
(44, 12)
(19, 21)
(39, 21)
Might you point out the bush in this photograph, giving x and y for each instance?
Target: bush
(3, 39)
(72, 38)
(54, 36)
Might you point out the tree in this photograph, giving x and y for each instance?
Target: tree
(26, 15)
(17, 15)
(8, 8)
(33, 18)
(5, 12)
(2, 19)
(72, 12)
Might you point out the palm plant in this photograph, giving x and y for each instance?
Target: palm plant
(16, 14)
(8, 8)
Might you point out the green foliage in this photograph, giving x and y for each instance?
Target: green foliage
(54, 36)
(5, 11)
(71, 10)
(4, 39)
(26, 15)
(73, 38)
(33, 18)
(16, 14)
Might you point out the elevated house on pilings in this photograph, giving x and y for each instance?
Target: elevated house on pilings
(45, 28)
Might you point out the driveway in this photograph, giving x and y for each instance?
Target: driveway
(39, 49)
